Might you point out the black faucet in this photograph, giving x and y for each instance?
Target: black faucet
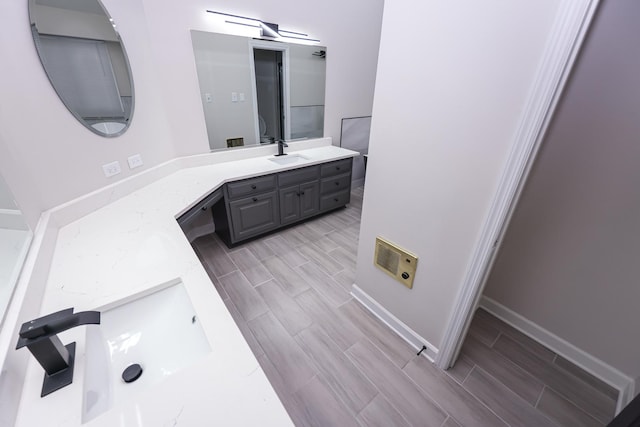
(281, 145)
(41, 339)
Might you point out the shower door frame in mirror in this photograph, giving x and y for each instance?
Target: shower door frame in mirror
(285, 86)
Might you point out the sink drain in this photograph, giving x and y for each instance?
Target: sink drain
(132, 373)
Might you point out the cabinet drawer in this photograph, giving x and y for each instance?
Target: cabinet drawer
(335, 184)
(251, 186)
(298, 176)
(335, 200)
(336, 168)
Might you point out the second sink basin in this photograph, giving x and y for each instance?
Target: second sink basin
(289, 159)
(160, 332)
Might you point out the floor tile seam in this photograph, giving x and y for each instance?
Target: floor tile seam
(515, 395)
(319, 267)
(335, 394)
(579, 408)
(506, 424)
(218, 277)
(585, 383)
(352, 358)
(469, 374)
(551, 369)
(517, 367)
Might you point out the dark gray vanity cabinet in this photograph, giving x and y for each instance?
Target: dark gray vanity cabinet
(250, 208)
(335, 184)
(299, 192)
(255, 206)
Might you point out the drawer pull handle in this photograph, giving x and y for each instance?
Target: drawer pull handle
(255, 199)
(253, 186)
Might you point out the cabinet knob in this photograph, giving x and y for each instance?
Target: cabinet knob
(298, 194)
(302, 192)
(253, 186)
(337, 168)
(255, 199)
(337, 183)
(335, 199)
(204, 208)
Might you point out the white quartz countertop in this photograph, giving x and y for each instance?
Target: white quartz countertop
(132, 245)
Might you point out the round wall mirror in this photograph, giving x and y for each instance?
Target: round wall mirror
(86, 62)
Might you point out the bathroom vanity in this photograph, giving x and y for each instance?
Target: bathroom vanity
(255, 206)
(133, 247)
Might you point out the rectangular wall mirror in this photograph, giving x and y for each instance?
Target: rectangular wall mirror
(15, 237)
(258, 91)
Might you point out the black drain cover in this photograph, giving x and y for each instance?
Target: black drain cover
(132, 373)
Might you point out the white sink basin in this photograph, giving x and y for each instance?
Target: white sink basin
(289, 159)
(158, 331)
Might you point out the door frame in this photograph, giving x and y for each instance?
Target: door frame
(286, 99)
(567, 35)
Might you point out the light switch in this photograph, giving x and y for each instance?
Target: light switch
(111, 169)
(135, 161)
(207, 97)
(241, 96)
(234, 96)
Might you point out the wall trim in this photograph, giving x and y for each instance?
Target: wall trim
(565, 39)
(396, 325)
(581, 358)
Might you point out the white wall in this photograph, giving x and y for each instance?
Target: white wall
(453, 77)
(569, 261)
(350, 30)
(51, 158)
(6, 198)
(222, 63)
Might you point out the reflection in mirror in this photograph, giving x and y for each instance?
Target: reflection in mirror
(85, 61)
(257, 91)
(15, 237)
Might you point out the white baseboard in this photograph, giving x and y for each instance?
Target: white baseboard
(396, 325)
(592, 365)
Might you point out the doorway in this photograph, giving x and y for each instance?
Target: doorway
(269, 80)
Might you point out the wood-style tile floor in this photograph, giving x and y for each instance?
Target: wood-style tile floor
(334, 364)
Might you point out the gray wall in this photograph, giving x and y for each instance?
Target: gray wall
(570, 261)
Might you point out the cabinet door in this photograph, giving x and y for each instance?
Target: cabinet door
(254, 215)
(289, 204)
(309, 199)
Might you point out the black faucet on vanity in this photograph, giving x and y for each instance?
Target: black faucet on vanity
(281, 145)
(40, 337)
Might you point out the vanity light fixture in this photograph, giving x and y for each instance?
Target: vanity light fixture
(267, 29)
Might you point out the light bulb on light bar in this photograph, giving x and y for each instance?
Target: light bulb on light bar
(267, 29)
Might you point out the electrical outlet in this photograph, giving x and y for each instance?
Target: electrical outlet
(207, 97)
(111, 169)
(241, 96)
(234, 96)
(135, 161)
